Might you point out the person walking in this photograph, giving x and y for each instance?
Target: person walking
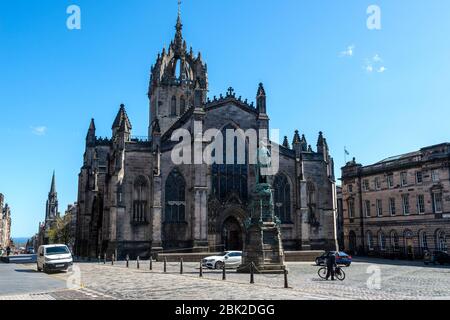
(8, 251)
(331, 264)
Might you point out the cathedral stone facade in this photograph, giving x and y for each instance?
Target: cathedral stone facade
(133, 199)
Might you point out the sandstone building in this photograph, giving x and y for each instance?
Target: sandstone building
(133, 199)
(399, 206)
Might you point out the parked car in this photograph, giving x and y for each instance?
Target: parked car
(232, 259)
(440, 257)
(55, 257)
(341, 258)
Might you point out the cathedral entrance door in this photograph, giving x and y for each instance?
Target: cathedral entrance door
(232, 236)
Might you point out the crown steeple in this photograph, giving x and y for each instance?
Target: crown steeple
(180, 44)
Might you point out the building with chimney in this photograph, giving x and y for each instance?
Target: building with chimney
(134, 199)
(400, 206)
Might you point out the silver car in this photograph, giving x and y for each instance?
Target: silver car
(231, 259)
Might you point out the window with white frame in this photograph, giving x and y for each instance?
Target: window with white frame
(367, 208)
(441, 241)
(392, 206)
(377, 183)
(419, 177)
(423, 240)
(404, 178)
(420, 204)
(351, 208)
(390, 180)
(405, 202)
(437, 201)
(435, 175)
(379, 208)
(366, 186)
(394, 241)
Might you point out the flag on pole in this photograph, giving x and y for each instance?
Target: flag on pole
(346, 152)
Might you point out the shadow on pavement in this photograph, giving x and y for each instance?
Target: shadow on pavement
(26, 270)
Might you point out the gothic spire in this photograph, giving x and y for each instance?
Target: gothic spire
(286, 142)
(304, 143)
(53, 186)
(122, 122)
(90, 137)
(296, 138)
(179, 36)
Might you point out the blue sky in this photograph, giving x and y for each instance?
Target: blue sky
(312, 57)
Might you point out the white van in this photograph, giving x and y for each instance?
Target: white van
(54, 257)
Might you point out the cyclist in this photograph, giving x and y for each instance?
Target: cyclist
(331, 265)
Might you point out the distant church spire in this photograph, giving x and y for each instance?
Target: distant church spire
(52, 203)
(53, 186)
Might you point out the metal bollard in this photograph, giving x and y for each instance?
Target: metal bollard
(286, 285)
(112, 259)
(128, 260)
(104, 258)
(181, 266)
(151, 263)
(165, 264)
(224, 272)
(137, 262)
(252, 275)
(201, 270)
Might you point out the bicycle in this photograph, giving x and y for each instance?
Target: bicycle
(338, 272)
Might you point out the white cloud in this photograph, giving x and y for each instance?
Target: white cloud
(369, 68)
(374, 64)
(348, 52)
(377, 58)
(39, 131)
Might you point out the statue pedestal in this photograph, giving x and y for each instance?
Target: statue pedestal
(263, 245)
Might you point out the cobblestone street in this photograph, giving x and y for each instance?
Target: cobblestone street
(398, 281)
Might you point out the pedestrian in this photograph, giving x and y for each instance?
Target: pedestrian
(8, 251)
(331, 264)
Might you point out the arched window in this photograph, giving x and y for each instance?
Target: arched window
(140, 202)
(394, 241)
(408, 242)
(369, 240)
(441, 241)
(173, 106)
(182, 105)
(175, 197)
(282, 198)
(423, 241)
(381, 241)
(228, 178)
(177, 69)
